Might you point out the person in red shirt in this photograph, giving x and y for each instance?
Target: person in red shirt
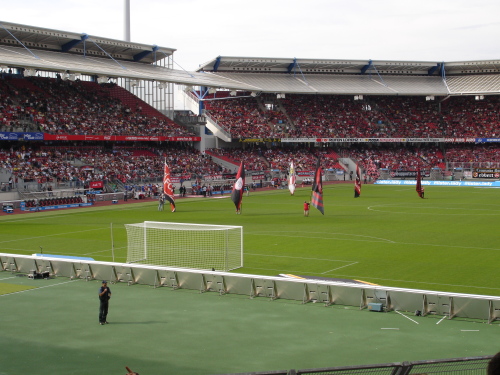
(306, 208)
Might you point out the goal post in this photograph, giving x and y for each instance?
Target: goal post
(199, 246)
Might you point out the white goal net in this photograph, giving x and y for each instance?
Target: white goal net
(200, 246)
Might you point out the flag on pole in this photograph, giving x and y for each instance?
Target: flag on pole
(168, 188)
(357, 183)
(239, 185)
(419, 188)
(317, 190)
(292, 179)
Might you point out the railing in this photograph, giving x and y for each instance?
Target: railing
(466, 366)
(219, 127)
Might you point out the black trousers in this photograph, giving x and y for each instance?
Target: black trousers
(103, 311)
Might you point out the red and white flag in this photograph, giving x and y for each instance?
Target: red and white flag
(238, 188)
(292, 179)
(168, 188)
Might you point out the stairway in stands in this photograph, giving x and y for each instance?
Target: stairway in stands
(132, 101)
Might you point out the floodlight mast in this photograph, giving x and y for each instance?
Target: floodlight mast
(126, 35)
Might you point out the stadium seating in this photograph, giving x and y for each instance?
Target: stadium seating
(85, 108)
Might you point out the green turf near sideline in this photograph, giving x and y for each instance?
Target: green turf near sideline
(388, 236)
(12, 288)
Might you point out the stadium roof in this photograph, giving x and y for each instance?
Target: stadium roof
(354, 77)
(23, 46)
(30, 47)
(325, 66)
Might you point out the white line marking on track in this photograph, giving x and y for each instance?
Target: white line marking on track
(414, 321)
(441, 319)
(7, 278)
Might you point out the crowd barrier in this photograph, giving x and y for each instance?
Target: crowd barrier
(364, 296)
(466, 365)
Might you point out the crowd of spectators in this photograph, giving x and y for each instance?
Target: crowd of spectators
(80, 107)
(340, 116)
(77, 107)
(77, 166)
(475, 156)
(279, 159)
(372, 159)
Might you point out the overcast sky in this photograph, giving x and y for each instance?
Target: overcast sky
(201, 30)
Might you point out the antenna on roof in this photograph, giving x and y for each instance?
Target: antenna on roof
(126, 35)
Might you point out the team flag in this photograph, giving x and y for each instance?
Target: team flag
(317, 190)
(168, 188)
(293, 179)
(357, 183)
(419, 188)
(237, 193)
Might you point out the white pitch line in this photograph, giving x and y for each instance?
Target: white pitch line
(414, 321)
(303, 258)
(41, 287)
(335, 269)
(469, 330)
(371, 208)
(53, 235)
(373, 239)
(350, 236)
(391, 328)
(441, 319)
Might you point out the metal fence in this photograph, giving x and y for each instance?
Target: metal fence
(455, 366)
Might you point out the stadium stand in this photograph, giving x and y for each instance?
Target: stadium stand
(271, 111)
(78, 107)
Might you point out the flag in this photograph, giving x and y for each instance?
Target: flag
(237, 193)
(168, 188)
(292, 179)
(419, 188)
(317, 190)
(357, 183)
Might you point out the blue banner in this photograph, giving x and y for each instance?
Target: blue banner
(19, 136)
(487, 140)
(440, 183)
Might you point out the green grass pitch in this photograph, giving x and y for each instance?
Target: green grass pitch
(388, 236)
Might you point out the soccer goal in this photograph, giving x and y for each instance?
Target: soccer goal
(200, 246)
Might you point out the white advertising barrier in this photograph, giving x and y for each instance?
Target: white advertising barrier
(495, 184)
(427, 302)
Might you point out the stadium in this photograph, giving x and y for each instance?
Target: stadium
(385, 283)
